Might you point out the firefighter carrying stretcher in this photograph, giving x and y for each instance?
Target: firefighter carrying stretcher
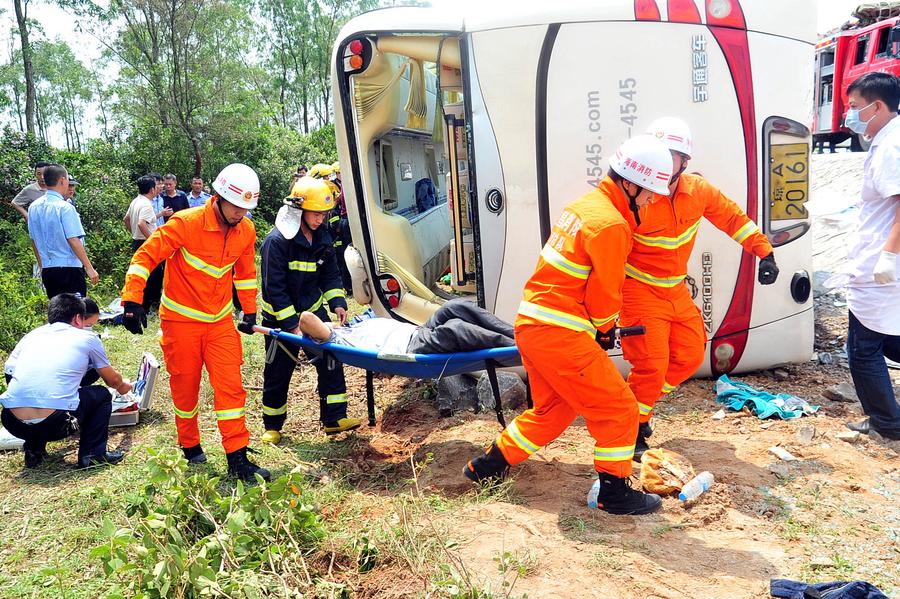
(300, 274)
(206, 249)
(566, 322)
(654, 294)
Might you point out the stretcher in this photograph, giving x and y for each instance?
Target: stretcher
(419, 366)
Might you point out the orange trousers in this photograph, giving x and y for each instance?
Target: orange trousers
(673, 346)
(571, 375)
(188, 347)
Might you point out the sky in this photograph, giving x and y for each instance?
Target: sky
(56, 23)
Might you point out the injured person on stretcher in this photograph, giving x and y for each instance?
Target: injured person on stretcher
(457, 326)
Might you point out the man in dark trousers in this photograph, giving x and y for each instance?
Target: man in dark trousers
(300, 273)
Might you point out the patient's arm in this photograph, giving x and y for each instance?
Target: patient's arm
(312, 326)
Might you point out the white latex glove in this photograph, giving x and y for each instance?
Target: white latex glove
(885, 268)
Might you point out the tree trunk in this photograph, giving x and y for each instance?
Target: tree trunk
(30, 97)
(198, 158)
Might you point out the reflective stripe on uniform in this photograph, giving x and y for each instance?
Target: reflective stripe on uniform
(275, 411)
(279, 314)
(138, 270)
(650, 279)
(744, 232)
(214, 271)
(232, 414)
(613, 454)
(520, 440)
(316, 305)
(245, 284)
(667, 388)
(556, 317)
(338, 243)
(644, 408)
(302, 266)
(563, 264)
(196, 314)
(187, 415)
(669, 243)
(599, 322)
(335, 218)
(336, 398)
(333, 293)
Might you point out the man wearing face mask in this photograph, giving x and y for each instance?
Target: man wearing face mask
(571, 304)
(655, 295)
(874, 293)
(206, 251)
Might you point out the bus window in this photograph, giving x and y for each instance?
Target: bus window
(862, 44)
(884, 35)
(894, 44)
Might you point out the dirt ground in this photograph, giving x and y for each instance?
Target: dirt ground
(832, 514)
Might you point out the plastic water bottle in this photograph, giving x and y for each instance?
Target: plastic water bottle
(592, 495)
(696, 486)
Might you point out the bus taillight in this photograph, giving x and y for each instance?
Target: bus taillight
(357, 54)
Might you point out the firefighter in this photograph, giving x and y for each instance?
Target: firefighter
(207, 250)
(654, 294)
(338, 224)
(566, 322)
(299, 273)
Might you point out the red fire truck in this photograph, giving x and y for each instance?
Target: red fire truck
(842, 58)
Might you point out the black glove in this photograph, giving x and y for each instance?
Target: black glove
(768, 271)
(246, 325)
(606, 340)
(134, 318)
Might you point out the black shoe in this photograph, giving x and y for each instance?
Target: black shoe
(640, 445)
(34, 458)
(864, 427)
(240, 467)
(194, 455)
(489, 468)
(617, 496)
(110, 457)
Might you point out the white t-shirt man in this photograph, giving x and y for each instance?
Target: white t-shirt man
(875, 305)
(141, 210)
(383, 335)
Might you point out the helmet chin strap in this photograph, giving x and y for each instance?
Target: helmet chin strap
(228, 223)
(632, 203)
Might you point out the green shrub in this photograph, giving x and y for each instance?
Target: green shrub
(187, 538)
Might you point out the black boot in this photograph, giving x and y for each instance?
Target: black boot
(194, 455)
(490, 467)
(617, 497)
(240, 467)
(640, 445)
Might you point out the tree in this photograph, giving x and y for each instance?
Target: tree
(21, 7)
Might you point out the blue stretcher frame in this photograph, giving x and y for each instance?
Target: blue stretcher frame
(420, 366)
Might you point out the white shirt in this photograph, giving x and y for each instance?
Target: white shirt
(139, 210)
(382, 335)
(876, 306)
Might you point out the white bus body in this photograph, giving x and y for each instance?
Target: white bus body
(535, 100)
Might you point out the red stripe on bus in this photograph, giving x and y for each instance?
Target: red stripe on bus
(646, 10)
(683, 11)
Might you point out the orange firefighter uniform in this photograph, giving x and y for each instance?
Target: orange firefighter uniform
(574, 293)
(654, 294)
(196, 314)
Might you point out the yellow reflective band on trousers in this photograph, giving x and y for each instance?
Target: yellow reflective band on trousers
(278, 314)
(640, 275)
(563, 264)
(520, 440)
(244, 284)
(336, 398)
(214, 271)
(275, 411)
(333, 293)
(556, 317)
(744, 232)
(613, 454)
(196, 314)
(232, 414)
(187, 415)
(669, 243)
(644, 408)
(667, 388)
(138, 270)
(302, 266)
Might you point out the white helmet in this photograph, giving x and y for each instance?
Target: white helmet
(238, 184)
(645, 161)
(673, 132)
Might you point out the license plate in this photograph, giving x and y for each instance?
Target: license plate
(789, 181)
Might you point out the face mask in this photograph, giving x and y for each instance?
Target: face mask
(853, 122)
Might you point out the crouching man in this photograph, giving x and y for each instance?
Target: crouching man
(45, 400)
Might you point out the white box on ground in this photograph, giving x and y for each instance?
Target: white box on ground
(127, 408)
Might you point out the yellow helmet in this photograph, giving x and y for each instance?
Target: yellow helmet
(311, 194)
(320, 171)
(336, 168)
